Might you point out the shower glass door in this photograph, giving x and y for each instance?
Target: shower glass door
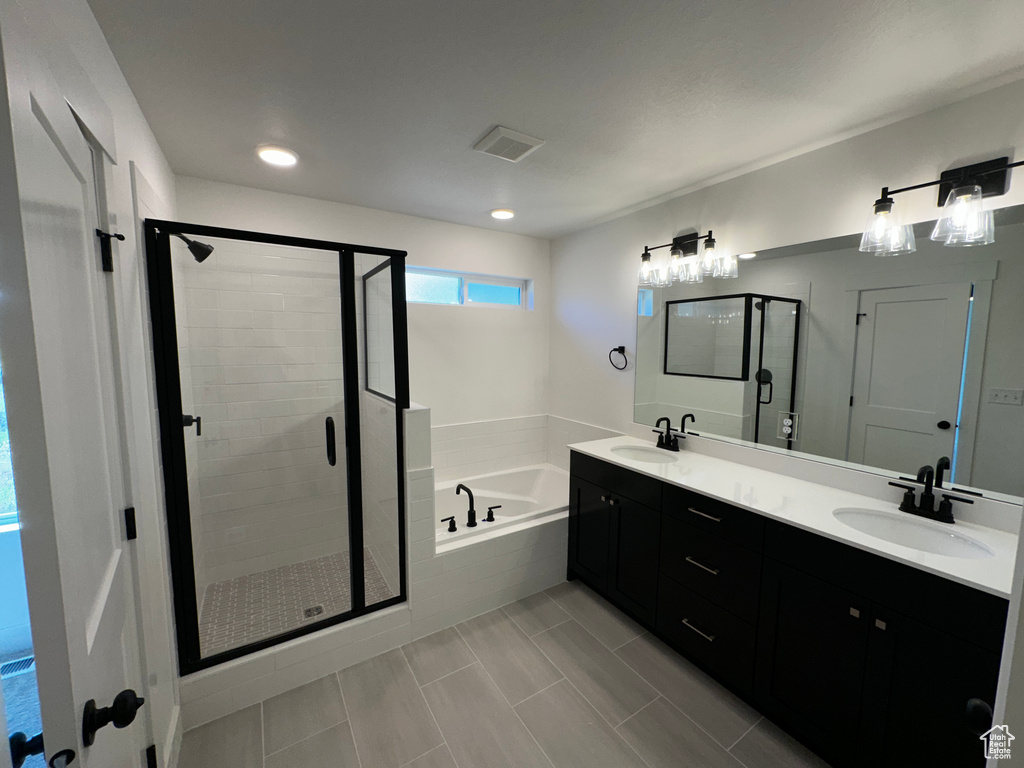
(777, 325)
(274, 448)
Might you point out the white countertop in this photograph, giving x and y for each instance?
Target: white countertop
(809, 506)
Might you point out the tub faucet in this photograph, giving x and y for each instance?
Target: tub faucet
(471, 522)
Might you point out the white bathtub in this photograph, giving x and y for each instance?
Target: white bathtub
(528, 496)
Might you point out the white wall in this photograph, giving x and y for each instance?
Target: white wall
(818, 195)
(466, 363)
(65, 35)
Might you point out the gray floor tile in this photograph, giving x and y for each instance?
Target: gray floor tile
(515, 664)
(332, 747)
(599, 618)
(301, 712)
(535, 613)
(666, 738)
(435, 758)
(707, 703)
(233, 740)
(615, 690)
(768, 746)
(479, 726)
(391, 724)
(437, 655)
(572, 733)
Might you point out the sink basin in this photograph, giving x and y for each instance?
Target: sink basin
(924, 535)
(643, 453)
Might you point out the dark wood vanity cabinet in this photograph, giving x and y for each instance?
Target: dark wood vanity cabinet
(865, 660)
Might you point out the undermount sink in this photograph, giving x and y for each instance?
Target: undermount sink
(644, 453)
(900, 528)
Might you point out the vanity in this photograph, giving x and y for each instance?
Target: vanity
(869, 651)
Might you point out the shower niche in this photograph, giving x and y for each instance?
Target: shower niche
(282, 372)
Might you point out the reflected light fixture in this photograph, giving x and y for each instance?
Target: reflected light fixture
(682, 264)
(503, 213)
(279, 156)
(746, 256)
(963, 222)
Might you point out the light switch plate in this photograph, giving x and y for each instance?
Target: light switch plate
(1006, 396)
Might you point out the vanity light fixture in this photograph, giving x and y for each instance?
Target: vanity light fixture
(279, 156)
(683, 264)
(963, 222)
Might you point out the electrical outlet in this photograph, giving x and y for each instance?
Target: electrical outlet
(1006, 396)
(788, 425)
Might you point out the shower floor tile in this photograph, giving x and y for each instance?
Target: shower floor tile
(261, 605)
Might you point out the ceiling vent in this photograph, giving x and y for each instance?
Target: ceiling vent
(507, 144)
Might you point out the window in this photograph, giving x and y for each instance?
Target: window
(645, 302)
(8, 503)
(436, 286)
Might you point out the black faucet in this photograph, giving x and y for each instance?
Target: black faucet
(926, 475)
(682, 427)
(666, 439)
(471, 522)
(940, 470)
(926, 507)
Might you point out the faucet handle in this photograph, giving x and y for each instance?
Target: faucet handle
(909, 504)
(490, 513)
(945, 512)
(451, 523)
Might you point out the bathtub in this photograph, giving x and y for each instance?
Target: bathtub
(528, 496)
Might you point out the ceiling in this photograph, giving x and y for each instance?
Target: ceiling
(384, 101)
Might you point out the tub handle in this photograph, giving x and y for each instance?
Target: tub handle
(490, 513)
(451, 523)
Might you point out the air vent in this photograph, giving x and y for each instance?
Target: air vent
(17, 667)
(507, 144)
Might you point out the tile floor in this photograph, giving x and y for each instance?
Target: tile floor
(261, 605)
(557, 680)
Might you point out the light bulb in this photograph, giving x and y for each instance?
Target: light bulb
(675, 265)
(708, 257)
(645, 277)
(964, 222)
(883, 234)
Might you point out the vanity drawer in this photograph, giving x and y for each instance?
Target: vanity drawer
(707, 634)
(618, 480)
(717, 517)
(725, 573)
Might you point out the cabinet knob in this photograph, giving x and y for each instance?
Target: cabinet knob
(978, 716)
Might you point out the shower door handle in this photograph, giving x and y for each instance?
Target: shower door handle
(332, 452)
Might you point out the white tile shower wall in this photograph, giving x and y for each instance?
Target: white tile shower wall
(264, 354)
(443, 590)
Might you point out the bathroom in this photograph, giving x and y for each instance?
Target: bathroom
(497, 389)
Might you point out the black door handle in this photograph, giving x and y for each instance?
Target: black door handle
(188, 420)
(764, 376)
(121, 714)
(332, 453)
(22, 747)
(978, 716)
(943, 424)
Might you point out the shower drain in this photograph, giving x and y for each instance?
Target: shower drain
(316, 610)
(17, 667)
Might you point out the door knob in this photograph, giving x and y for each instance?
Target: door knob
(22, 747)
(121, 714)
(943, 424)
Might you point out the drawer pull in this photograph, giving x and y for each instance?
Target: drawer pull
(704, 514)
(611, 502)
(709, 638)
(691, 561)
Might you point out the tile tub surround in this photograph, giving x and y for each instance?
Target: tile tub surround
(462, 697)
(809, 505)
(444, 590)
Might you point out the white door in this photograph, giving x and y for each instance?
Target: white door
(59, 381)
(907, 373)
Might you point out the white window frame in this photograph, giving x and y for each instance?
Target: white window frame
(525, 286)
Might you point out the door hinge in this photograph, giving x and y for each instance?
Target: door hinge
(130, 529)
(860, 315)
(106, 254)
(151, 756)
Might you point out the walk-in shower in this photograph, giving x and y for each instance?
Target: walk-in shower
(282, 372)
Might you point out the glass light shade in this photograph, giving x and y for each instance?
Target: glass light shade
(730, 267)
(963, 221)
(884, 235)
(691, 270)
(675, 265)
(708, 258)
(646, 275)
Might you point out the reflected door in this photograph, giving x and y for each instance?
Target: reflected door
(907, 375)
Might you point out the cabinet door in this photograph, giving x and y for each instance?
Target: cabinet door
(920, 680)
(635, 545)
(589, 532)
(811, 658)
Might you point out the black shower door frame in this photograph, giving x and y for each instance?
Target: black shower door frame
(172, 436)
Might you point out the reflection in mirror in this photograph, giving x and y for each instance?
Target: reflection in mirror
(898, 361)
(709, 338)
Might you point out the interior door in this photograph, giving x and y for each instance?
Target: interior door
(907, 373)
(59, 375)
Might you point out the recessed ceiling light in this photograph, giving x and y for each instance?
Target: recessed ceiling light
(503, 213)
(277, 155)
(747, 255)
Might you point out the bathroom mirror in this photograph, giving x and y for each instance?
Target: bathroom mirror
(900, 360)
(708, 337)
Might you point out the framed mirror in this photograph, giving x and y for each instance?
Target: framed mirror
(708, 337)
(898, 362)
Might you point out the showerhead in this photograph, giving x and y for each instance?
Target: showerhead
(200, 250)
